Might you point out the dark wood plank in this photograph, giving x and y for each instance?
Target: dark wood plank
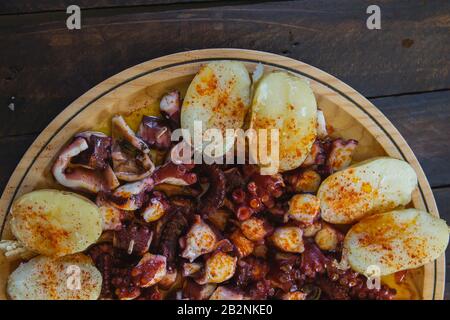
(423, 120)
(11, 151)
(442, 196)
(30, 6)
(45, 66)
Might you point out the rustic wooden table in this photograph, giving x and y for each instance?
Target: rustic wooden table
(404, 68)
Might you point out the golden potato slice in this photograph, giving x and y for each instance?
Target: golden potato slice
(285, 102)
(373, 186)
(55, 223)
(219, 98)
(45, 278)
(395, 241)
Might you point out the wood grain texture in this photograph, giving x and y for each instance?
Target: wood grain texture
(352, 114)
(328, 34)
(11, 151)
(27, 6)
(424, 121)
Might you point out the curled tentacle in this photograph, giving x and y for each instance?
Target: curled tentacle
(130, 158)
(79, 177)
(260, 193)
(177, 174)
(170, 232)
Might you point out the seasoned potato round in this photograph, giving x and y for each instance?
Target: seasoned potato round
(287, 103)
(45, 278)
(395, 241)
(55, 223)
(219, 98)
(373, 186)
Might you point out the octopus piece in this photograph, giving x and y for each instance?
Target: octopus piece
(130, 158)
(219, 218)
(170, 107)
(243, 246)
(156, 207)
(169, 279)
(214, 196)
(312, 229)
(306, 180)
(259, 194)
(340, 284)
(303, 208)
(284, 272)
(122, 280)
(261, 290)
(133, 238)
(172, 190)
(79, 177)
(219, 267)
(313, 261)
(177, 174)
(199, 240)
(103, 257)
(151, 293)
(256, 229)
(169, 236)
(195, 291)
(189, 269)
(288, 239)
(295, 295)
(121, 130)
(150, 270)
(249, 270)
(155, 132)
(98, 152)
(224, 293)
(111, 216)
(260, 251)
(341, 154)
(131, 196)
(318, 153)
(233, 179)
(328, 238)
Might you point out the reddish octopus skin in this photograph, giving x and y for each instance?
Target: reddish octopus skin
(259, 194)
(155, 132)
(82, 178)
(170, 107)
(213, 198)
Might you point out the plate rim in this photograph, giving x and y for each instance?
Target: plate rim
(203, 55)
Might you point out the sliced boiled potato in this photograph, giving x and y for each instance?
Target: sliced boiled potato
(44, 278)
(286, 103)
(55, 223)
(373, 186)
(219, 98)
(395, 241)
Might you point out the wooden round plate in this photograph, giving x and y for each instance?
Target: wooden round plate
(347, 111)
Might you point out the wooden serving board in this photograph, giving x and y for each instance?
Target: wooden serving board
(140, 87)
